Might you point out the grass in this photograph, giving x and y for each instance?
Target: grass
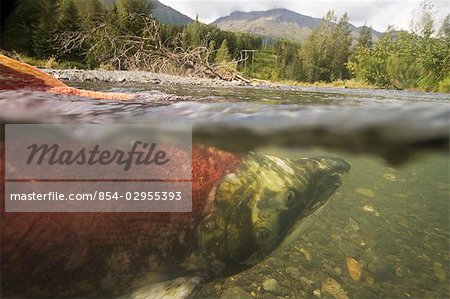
(50, 63)
(351, 83)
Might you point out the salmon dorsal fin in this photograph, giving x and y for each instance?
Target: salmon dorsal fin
(18, 75)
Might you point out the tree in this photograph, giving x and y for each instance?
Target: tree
(223, 54)
(424, 26)
(341, 42)
(45, 29)
(132, 13)
(327, 49)
(69, 21)
(410, 60)
(365, 38)
(91, 11)
(444, 30)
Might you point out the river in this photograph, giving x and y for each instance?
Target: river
(391, 214)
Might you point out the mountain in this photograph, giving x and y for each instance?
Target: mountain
(167, 15)
(163, 13)
(276, 23)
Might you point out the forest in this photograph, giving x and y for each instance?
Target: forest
(122, 35)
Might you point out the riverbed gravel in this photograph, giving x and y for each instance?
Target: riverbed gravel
(138, 77)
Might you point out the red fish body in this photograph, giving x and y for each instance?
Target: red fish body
(104, 254)
(16, 75)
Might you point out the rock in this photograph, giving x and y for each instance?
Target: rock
(353, 224)
(371, 210)
(307, 284)
(306, 254)
(400, 271)
(390, 177)
(335, 237)
(365, 192)
(440, 272)
(369, 280)
(235, 293)
(293, 272)
(332, 270)
(271, 285)
(317, 293)
(333, 288)
(354, 269)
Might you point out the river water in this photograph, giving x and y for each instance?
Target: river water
(391, 214)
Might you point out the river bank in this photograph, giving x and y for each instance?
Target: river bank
(143, 77)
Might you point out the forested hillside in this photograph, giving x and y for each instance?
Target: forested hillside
(90, 34)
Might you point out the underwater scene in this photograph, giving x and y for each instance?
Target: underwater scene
(375, 161)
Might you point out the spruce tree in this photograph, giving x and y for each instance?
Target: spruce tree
(365, 38)
(45, 29)
(223, 54)
(69, 21)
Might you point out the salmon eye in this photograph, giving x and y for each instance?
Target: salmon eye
(289, 199)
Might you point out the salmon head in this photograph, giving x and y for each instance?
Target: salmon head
(256, 206)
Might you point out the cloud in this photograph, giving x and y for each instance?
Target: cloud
(378, 14)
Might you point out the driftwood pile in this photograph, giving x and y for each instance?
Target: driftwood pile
(116, 49)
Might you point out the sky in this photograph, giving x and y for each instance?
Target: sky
(377, 14)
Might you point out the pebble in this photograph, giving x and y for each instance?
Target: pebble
(317, 293)
(371, 210)
(235, 293)
(333, 288)
(306, 254)
(390, 177)
(271, 285)
(369, 280)
(354, 269)
(307, 284)
(365, 192)
(400, 271)
(293, 272)
(335, 237)
(136, 77)
(353, 224)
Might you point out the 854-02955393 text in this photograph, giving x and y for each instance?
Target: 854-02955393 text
(95, 196)
(99, 195)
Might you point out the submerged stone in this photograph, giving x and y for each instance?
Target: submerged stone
(365, 192)
(370, 209)
(390, 177)
(332, 288)
(354, 269)
(235, 293)
(271, 285)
